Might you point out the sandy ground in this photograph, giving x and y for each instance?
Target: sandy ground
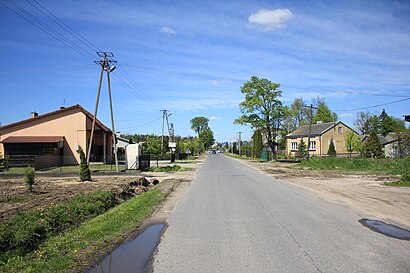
(51, 189)
(362, 191)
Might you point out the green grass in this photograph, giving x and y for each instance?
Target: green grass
(63, 252)
(378, 165)
(173, 168)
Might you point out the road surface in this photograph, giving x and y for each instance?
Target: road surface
(234, 219)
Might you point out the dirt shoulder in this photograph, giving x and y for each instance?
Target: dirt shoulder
(363, 191)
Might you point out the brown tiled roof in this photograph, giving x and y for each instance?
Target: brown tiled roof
(88, 114)
(32, 139)
(317, 129)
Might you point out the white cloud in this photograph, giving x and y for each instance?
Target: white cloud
(168, 30)
(268, 20)
(215, 118)
(345, 115)
(221, 81)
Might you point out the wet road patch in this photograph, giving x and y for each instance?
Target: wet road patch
(132, 256)
(386, 229)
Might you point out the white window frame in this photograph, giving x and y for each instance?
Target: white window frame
(312, 145)
(340, 130)
(294, 146)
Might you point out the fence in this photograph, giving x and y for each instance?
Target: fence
(39, 162)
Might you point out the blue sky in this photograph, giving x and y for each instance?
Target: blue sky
(192, 57)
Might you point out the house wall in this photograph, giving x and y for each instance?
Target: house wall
(70, 124)
(312, 152)
(338, 139)
(322, 142)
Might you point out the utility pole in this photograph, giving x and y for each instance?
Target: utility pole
(239, 143)
(164, 116)
(310, 128)
(105, 66)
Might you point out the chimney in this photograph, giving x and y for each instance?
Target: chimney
(34, 114)
(62, 107)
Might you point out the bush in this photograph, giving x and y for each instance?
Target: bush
(26, 230)
(85, 174)
(332, 150)
(29, 178)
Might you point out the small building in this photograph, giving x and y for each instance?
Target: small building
(389, 143)
(57, 135)
(320, 137)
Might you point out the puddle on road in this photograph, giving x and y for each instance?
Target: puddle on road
(131, 256)
(386, 229)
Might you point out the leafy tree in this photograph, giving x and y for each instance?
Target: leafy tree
(332, 149)
(302, 150)
(323, 112)
(296, 115)
(403, 143)
(262, 108)
(85, 174)
(366, 123)
(206, 137)
(153, 146)
(199, 124)
(389, 124)
(373, 146)
(257, 143)
(352, 142)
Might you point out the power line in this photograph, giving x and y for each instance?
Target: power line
(32, 19)
(63, 25)
(373, 106)
(141, 125)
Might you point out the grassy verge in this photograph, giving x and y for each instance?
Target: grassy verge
(173, 168)
(241, 157)
(397, 166)
(63, 252)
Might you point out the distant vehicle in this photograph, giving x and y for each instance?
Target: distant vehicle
(213, 152)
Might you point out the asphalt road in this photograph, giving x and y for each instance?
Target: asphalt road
(235, 219)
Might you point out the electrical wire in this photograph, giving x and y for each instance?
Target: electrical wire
(141, 125)
(373, 106)
(63, 25)
(30, 18)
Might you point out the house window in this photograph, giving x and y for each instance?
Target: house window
(312, 146)
(294, 146)
(340, 130)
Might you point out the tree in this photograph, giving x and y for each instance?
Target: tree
(262, 108)
(296, 115)
(389, 124)
(323, 112)
(332, 150)
(403, 143)
(352, 142)
(153, 146)
(29, 176)
(366, 122)
(373, 146)
(302, 149)
(206, 137)
(85, 174)
(257, 143)
(199, 124)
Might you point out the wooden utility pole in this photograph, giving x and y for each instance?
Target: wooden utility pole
(310, 130)
(239, 143)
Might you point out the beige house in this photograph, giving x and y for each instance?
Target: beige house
(57, 136)
(320, 137)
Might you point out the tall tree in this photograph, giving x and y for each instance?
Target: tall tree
(366, 122)
(206, 137)
(199, 124)
(85, 173)
(332, 149)
(390, 124)
(352, 142)
(323, 112)
(302, 149)
(373, 146)
(152, 145)
(262, 108)
(296, 115)
(257, 143)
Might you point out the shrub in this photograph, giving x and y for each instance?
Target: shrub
(332, 150)
(29, 178)
(85, 174)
